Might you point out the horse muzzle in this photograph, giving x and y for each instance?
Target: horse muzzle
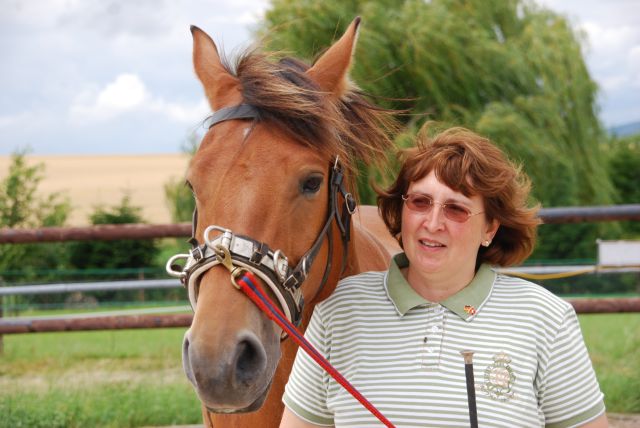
(236, 380)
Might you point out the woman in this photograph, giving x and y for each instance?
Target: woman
(457, 207)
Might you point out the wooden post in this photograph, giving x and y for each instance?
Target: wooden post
(1, 338)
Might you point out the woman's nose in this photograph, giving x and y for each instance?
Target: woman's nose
(434, 219)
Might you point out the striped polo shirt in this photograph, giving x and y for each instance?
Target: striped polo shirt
(402, 352)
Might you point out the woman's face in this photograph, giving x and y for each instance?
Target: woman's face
(438, 247)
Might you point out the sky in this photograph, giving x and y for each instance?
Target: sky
(115, 76)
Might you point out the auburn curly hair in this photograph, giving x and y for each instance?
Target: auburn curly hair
(472, 165)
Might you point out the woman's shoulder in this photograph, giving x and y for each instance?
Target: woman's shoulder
(364, 286)
(367, 277)
(536, 298)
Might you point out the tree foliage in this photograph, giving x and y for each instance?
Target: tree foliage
(124, 253)
(508, 69)
(179, 200)
(22, 206)
(623, 156)
(178, 197)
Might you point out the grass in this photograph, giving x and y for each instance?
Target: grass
(613, 341)
(120, 378)
(133, 378)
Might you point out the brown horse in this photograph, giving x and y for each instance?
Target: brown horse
(267, 170)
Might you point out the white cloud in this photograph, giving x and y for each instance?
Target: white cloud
(62, 65)
(187, 114)
(613, 38)
(128, 94)
(17, 119)
(125, 93)
(605, 40)
(613, 82)
(614, 60)
(252, 16)
(634, 65)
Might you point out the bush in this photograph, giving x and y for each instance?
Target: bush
(131, 254)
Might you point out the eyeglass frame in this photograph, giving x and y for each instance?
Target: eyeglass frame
(468, 212)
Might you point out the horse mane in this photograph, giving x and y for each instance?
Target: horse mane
(349, 126)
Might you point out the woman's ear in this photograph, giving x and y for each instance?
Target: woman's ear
(491, 230)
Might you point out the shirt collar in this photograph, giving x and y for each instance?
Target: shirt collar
(465, 303)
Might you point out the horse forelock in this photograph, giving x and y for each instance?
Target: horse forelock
(348, 126)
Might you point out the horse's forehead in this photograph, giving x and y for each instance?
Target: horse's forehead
(252, 186)
(238, 140)
(237, 145)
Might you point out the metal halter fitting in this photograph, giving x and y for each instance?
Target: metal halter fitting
(238, 252)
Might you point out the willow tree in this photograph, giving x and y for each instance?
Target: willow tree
(508, 69)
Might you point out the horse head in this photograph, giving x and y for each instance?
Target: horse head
(271, 179)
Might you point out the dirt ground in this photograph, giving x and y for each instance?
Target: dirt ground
(616, 420)
(619, 420)
(91, 181)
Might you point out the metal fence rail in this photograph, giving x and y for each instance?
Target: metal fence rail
(107, 232)
(38, 325)
(118, 322)
(17, 290)
(144, 284)
(142, 231)
(150, 231)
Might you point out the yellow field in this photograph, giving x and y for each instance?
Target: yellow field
(91, 181)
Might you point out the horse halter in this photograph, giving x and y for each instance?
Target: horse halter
(238, 252)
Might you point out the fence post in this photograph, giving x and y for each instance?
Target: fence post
(1, 338)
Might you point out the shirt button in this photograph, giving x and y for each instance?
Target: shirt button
(435, 329)
(429, 350)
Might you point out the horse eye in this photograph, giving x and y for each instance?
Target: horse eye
(311, 184)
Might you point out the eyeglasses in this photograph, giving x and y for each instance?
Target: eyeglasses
(424, 204)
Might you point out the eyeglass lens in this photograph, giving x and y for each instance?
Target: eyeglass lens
(425, 204)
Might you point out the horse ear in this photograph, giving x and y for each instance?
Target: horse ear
(220, 87)
(331, 70)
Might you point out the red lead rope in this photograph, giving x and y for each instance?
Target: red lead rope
(250, 287)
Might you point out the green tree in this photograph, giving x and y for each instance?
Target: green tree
(180, 200)
(624, 169)
(21, 206)
(116, 254)
(178, 196)
(117, 258)
(508, 69)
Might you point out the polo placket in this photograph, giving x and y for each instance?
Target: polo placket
(432, 343)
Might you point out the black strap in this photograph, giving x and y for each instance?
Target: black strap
(299, 273)
(241, 111)
(194, 224)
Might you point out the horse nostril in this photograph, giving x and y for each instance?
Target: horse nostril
(251, 360)
(186, 361)
(185, 348)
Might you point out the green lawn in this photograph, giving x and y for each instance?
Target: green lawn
(614, 346)
(120, 378)
(132, 378)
